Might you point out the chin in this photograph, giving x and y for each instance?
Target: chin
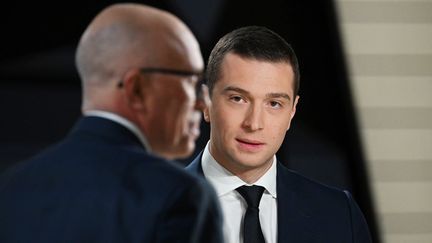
(249, 163)
(185, 151)
(251, 166)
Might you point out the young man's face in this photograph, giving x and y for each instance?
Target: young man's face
(251, 109)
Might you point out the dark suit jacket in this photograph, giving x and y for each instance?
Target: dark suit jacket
(309, 212)
(100, 185)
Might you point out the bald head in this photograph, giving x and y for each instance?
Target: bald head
(122, 41)
(127, 36)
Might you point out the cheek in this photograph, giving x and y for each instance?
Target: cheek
(277, 128)
(181, 103)
(174, 116)
(227, 125)
(187, 93)
(222, 117)
(180, 116)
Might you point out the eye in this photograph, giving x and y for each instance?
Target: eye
(237, 99)
(275, 104)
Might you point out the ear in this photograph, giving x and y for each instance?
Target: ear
(136, 90)
(206, 114)
(293, 111)
(295, 106)
(206, 102)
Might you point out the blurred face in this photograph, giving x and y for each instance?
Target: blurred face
(172, 119)
(251, 108)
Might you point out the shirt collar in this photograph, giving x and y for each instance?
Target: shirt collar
(224, 181)
(122, 121)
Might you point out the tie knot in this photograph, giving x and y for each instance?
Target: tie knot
(251, 194)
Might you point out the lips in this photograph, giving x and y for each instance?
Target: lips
(249, 145)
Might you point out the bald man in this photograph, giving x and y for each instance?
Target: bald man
(110, 179)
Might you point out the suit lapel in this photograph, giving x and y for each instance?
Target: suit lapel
(293, 212)
(195, 166)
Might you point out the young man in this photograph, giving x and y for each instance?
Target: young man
(109, 180)
(253, 81)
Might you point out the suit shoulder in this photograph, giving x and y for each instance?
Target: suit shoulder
(309, 186)
(150, 171)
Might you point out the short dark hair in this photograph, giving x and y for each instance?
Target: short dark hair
(254, 42)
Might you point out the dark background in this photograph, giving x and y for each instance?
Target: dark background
(40, 90)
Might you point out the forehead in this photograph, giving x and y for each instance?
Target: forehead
(256, 75)
(178, 50)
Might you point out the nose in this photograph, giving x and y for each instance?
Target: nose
(254, 119)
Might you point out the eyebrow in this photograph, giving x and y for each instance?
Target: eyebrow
(245, 92)
(235, 89)
(278, 95)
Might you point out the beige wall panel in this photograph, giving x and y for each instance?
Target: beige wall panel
(407, 223)
(389, 53)
(388, 38)
(391, 65)
(398, 144)
(396, 118)
(386, 12)
(392, 91)
(402, 197)
(385, 1)
(408, 238)
(401, 170)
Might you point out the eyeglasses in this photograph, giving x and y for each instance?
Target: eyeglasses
(174, 72)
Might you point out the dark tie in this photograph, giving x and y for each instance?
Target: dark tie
(252, 232)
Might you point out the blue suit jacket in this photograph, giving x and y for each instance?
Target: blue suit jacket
(99, 185)
(309, 212)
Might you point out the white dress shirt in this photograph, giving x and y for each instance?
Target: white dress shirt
(234, 206)
(123, 122)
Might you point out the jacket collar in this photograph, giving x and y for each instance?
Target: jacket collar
(109, 131)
